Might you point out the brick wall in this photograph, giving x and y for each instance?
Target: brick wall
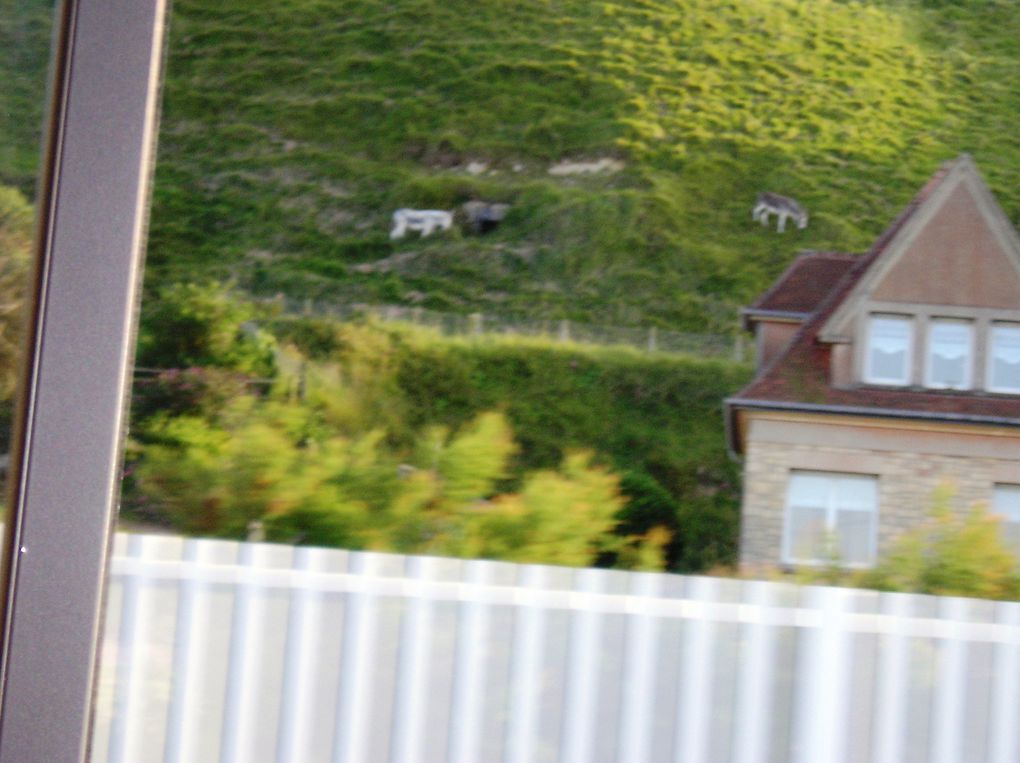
(906, 484)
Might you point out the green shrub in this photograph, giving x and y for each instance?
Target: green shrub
(191, 324)
(950, 555)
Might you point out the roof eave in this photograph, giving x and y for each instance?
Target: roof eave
(734, 403)
(749, 314)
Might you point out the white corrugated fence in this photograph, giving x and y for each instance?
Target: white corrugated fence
(247, 652)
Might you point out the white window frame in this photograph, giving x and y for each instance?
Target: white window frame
(831, 508)
(990, 360)
(998, 490)
(869, 375)
(968, 366)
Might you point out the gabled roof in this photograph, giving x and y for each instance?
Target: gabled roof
(797, 293)
(798, 378)
(918, 234)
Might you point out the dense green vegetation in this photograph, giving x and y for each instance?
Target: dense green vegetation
(293, 128)
(359, 431)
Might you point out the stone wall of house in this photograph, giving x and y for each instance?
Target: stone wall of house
(907, 483)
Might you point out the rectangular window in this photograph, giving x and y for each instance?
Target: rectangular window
(830, 518)
(1006, 503)
(1004, 358)
(950, 354)
(889, 350)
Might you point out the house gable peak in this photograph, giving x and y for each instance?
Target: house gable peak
(952, 246)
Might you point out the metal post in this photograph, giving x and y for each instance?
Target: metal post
(92, 208)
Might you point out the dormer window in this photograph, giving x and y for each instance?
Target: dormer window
(889, 350)
(1004, 358)
(950, 354)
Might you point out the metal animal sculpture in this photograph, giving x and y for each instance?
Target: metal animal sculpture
(423, 220)
(781, 206)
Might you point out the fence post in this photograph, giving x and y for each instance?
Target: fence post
(247, 630)
(653, 339)
(564, 335)
(1006, 688)
(755, 676)
(582, 674)
(823, 676)
(526, 672)
(738, 348)
(410, 706)
(301, 662)
(691, 732)
(136, 618)
(467, 699)
(950, 684)
(356, 662)
(641, 650)
(892, 679)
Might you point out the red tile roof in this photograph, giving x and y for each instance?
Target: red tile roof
(798, 378)
(804, 284)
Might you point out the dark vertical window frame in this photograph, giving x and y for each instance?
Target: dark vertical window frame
(92, 208)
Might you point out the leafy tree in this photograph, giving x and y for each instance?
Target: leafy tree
(559, 517)
(283, 463)
(469, 464)
(190, 324)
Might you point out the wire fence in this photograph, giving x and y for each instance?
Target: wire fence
(651, 339)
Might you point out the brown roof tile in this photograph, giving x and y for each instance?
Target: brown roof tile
(804, 284)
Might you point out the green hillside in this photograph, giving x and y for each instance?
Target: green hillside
(293, 128)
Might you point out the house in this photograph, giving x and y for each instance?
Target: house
(881, 377)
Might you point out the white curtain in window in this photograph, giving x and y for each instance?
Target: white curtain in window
(949, 354)
(888, 350)
(1004, 370)
(950, 340)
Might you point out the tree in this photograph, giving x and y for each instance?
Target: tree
(189, 324)
(284, 463)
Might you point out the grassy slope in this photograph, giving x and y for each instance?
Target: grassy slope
(293, 128)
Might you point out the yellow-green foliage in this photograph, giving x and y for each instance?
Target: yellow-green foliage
(280, 463)
(391, 438)
(558, 517)
(950, 555)
(469, 464)
(15, 244)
